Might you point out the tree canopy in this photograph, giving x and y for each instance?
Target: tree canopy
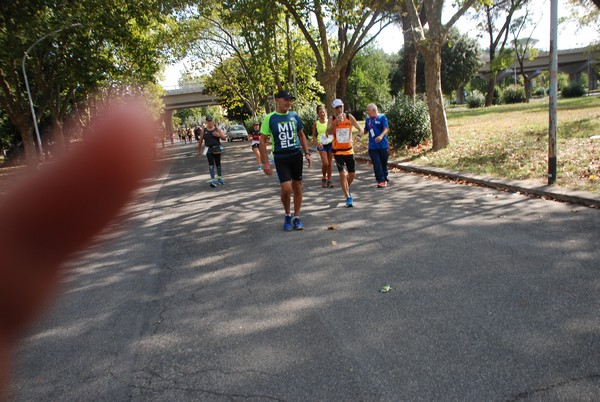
(61, 69)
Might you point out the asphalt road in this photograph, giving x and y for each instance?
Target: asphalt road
(200, 295)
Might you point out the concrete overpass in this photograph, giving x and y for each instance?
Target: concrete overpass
(571, 61)
(177, 98)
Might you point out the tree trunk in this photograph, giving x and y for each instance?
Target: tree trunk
(527, 83)
(329, 81)
(57, 133)
(342, 84)
(410, 60)
(489, 97)
(435, 97)
(25, 128)
(460, 95)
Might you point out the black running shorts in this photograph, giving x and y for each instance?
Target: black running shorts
(345, 160)
(289, 167)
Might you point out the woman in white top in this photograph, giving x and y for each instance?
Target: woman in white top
(324, 143)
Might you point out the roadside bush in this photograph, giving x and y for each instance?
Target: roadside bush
(573, 90)
(248, 123)
(562, 81)
(408, 121)
(513, 94)
(308, 115)
(359, 115)
(475, 99)
(539, 92)
(497, 95)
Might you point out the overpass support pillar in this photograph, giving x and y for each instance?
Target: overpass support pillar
(593, 78)
(167, 117)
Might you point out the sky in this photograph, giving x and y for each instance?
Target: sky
(569, 37)
(390, 40)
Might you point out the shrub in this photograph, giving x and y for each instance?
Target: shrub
(497, 95)
(308, 115)
(573, 90)
(562, 81)
(358, 114)
(248, 123)
(408, 121)
(513, 94)
(475, 99)
(539, 92)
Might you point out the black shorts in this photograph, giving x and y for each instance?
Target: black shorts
(347, 160)
(255, 146)
(289, 166)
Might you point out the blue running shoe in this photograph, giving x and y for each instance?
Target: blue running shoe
(297, 224)
(221, 181)
(349, 202)
(287, 223)
(213, 183)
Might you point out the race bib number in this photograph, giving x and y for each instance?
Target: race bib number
(343, 135)
(325, 139)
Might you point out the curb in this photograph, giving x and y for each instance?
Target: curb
(546, 192)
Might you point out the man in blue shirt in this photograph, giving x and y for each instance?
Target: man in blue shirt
(376, 125)
(284, 127)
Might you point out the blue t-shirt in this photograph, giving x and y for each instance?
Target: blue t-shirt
(373, 128)
(283, 129)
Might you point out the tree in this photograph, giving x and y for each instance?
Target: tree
(410, 54)
(368, 82)
(496, 22)
(229, 49)
(429, 44)
(62, 69)
(460, 63)
(247, 66)
(586, 13)
(523, 48)
(354, 21)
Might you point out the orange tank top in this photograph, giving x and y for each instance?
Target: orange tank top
(342, 137)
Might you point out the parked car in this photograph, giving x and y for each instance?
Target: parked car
(237, 132)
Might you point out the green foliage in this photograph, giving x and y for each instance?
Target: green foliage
(481, 85)
(368, 82)
(460, 60)
(573, 90)
(503, 60)
(562, 81)
(408, 121)
(9, 140)
(248, 68)
(513, 94)
(475, 99)
(188, 117)
(308, 115)
(477, 83)
(248, 123)
(460, 63)
(397, 77)
(497, 98)
(81, 49)
(539, 92)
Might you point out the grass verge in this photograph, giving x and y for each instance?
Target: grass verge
(511, 142)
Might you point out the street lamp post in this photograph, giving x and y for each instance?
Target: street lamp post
(553, 125)
(25, 55)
